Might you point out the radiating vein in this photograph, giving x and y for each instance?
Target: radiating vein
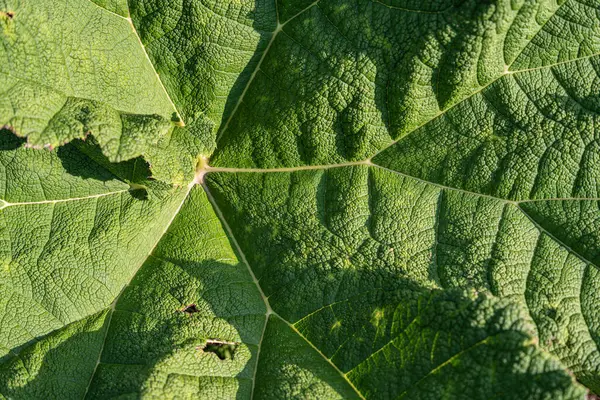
(254, 279)
(257, 68)
(181, 122)
(5, 204)
(506, 73)
(447, 362)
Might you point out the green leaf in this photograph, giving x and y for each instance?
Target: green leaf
(299, 199)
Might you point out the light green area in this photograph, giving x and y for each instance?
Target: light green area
(54, 51)
(419, 221)
(71, 69)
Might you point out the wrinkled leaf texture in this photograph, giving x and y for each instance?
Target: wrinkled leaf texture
(299, 199)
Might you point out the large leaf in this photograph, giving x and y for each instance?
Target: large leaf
(299, 199)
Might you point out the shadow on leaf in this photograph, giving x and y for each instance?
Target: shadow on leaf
(10, 141)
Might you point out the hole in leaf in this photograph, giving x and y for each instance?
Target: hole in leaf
(190, 309)
(224, 350)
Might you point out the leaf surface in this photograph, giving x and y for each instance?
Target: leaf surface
(299, 199)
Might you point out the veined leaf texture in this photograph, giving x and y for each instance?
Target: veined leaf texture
(272, 199)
